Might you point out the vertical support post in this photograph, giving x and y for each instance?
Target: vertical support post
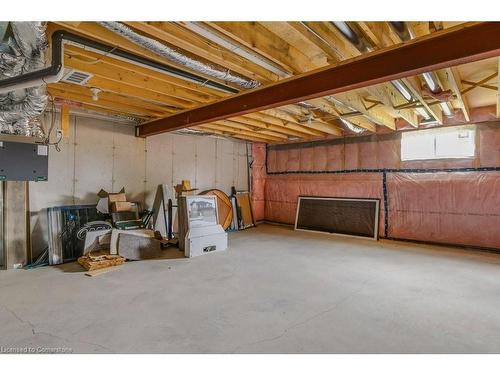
(65, 121)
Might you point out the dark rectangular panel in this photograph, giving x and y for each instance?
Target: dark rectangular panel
(353, 217)
(23, 161)
(68, 226)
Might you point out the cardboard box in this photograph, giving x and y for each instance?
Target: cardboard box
(116, 197)
(122, 206)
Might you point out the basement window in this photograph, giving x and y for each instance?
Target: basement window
(444, 143)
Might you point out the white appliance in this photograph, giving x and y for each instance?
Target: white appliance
(204, 235)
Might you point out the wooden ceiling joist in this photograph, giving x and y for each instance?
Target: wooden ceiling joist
(292, 124)
(256, 36)
(315, 100)
(100, 33)
(380, 35)
(413, 84)
(103, 103)
(478, 41)
(180, 37)
(132, 91)
(261, 131)
(307, 118)
(232, 130)
(226, 134)
(316, 39)
(263, 125)
(328, 107)
(131, 76)
(454, 81)
(103, 95)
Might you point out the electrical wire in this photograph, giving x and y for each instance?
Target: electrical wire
(75, 56)
(52, 125)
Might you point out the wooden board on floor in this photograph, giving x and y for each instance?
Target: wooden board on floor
(100, 271)
(92, 262)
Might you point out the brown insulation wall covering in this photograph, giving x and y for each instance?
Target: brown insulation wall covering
(429, 207)
(375, 152)
(489, 145)
(371, 152)
(458, 208)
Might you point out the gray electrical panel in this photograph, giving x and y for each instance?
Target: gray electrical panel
(23, 161)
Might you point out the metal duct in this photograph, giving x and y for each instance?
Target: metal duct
(403, 90)
(352, 34)
(350, 126)
(402, 30)
(430, 78)
(347, 124)
(23, 47)
(432, 82)
(177, 57)
(215, 37)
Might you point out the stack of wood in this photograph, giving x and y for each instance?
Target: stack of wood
(94, 262)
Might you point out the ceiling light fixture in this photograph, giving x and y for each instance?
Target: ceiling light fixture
(354, 128)
(95, 93)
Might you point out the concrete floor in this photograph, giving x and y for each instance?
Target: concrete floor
(274, 291)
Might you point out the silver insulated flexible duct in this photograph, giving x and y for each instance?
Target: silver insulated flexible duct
(22, 48)
(349, 125)
(176, 56)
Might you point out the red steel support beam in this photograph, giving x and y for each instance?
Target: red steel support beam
(454, 46)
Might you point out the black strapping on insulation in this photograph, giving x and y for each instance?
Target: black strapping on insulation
(389, 170)
(386, 204)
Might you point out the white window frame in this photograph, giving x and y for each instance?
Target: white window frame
(434, 132)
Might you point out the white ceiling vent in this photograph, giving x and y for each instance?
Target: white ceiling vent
(76, 77)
